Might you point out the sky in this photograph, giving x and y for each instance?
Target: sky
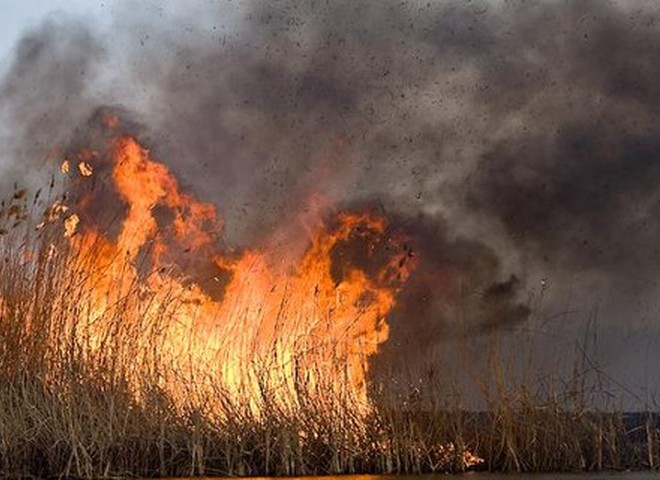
(17, 16)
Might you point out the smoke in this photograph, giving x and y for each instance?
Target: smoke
(507, 138)
(538, 121)
(577, 183)
(44, 96)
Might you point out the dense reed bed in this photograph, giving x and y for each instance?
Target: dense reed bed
(78, 403)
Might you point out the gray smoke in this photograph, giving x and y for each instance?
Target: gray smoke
(44, 97)
(513, 140)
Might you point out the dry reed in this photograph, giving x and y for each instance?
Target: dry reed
(68, 408)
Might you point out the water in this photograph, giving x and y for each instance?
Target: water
(566, 476)
(485, 476)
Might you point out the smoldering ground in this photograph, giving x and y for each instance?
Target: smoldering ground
(514, 139)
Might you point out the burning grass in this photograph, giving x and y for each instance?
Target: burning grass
(117, 359)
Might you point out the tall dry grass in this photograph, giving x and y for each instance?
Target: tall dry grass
(70, 408)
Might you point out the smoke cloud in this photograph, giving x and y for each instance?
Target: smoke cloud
(507, 138)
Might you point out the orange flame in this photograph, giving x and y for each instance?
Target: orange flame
(246, 323)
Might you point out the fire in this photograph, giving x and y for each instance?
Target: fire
(256, 325)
